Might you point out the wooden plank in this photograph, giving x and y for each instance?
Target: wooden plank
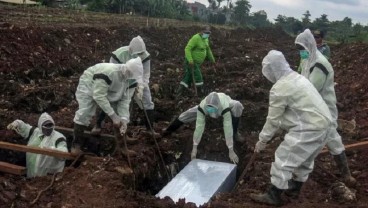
(13, 169)
(356, 146)
(70, 131)
(37, 150)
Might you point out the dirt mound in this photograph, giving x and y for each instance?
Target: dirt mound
(40, 64)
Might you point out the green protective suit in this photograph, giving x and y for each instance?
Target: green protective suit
(196, 51)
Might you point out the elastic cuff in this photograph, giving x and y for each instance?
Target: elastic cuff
(124, 118)
(110, 114)
(230, 147)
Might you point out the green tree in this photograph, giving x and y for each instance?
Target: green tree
(259, 19)
(306, 21)
(341, 30)
(241, 11)
(321, 23)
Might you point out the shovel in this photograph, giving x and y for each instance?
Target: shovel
(245, 171)
(125, 151)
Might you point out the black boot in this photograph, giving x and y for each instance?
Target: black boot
(294, 189)
(271, 197)
(79, 140)
(174, 125)
(151, 117)
(98, 126)
(342, 164)
(236, 134)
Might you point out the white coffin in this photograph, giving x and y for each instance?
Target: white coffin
(199, 181)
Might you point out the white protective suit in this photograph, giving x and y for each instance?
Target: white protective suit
(322, 77)
(107, 86)
(226, 107)
(38, 164)
(124, 54)
(295, 106)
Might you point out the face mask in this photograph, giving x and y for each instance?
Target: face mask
(211, 110)
(205, 35)
(304, 54)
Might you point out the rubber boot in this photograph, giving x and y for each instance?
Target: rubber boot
(236, 134)
(342, 164)
(174, 125)
(79, 141)
(271, 197)
(294, 189)
(98, 126)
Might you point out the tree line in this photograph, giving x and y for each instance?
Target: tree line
(232, 13)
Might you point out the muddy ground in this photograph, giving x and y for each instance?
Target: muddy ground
(43, 53)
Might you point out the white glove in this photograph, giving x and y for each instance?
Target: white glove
(233, 157)
(116, 120)
(193, 155)
(260, 146)
(139, 92)
(123, 128)
(14, 126)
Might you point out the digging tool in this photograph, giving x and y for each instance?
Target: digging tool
(118, 149)
(154, 138)
(193, 80)
(245, 171)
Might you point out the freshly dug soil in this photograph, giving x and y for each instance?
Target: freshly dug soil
(44, 51)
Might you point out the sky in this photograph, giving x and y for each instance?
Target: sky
(357, 10)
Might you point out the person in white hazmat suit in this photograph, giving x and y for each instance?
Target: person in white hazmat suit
(43, 136)
(213, 105)
(294, 106)
(319, 71)
(136, 48)
(107, 86)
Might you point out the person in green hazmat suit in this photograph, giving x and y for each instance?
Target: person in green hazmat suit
(43, 136)
(196, 51)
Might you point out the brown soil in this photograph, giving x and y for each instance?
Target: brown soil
(43, 53)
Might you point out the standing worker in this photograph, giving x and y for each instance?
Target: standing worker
(43, 137)
(105, 85)
(122, 55)
(295, 106)
(321, 45)
(215, 105)
(196, 51)
(320, 73)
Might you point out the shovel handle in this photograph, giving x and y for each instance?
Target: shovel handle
(245, 170)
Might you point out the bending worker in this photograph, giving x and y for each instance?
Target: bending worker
(214, 105)
(295, 106)
(122, 55)
(320, 73)
(43, 136)
(107, 86)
